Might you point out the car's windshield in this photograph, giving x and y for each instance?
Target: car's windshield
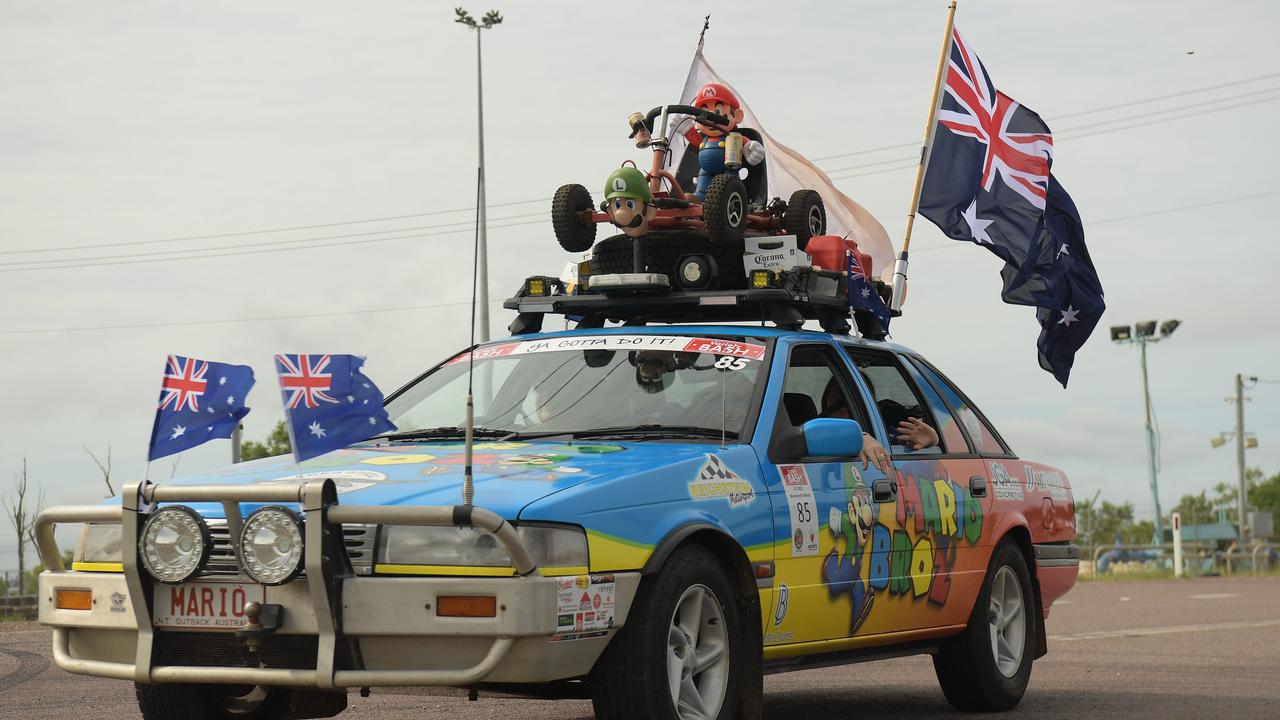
(595, 385)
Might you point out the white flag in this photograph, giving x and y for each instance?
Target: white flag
(789, 171)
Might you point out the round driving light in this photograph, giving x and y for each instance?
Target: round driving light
(271, 545)
(175, 544)
(695, 272)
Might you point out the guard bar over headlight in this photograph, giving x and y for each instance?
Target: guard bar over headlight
(550, 546)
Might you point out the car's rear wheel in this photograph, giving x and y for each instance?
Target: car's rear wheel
(567, 208)
(681, 654)
(987, 667)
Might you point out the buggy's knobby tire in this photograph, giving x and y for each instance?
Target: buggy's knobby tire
(629, 681)
(724, 210)
(966, 664)
(663, 250)
(170, 701)
(566, 208)
(805, 216)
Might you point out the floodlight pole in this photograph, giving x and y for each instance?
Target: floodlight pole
(486, 22)
(1151, 438)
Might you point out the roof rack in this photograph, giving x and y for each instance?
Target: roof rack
(787, 299)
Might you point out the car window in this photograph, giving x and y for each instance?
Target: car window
(984, 439)
(951, 437)
(817, 385)
(896, 398)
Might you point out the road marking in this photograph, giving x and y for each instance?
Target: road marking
(1212, 596)
(1125, 598)
(1167, 630)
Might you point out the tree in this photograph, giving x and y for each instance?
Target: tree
(1195, 509)
(1266, 495)
(277, 443)
(104, 468)
(23, 515)
(1107, 523)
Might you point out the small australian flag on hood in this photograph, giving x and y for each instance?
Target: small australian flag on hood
(328, 403)
(199, 401)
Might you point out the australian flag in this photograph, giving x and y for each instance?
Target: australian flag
(328, 403)
(862, 295)
(199, 401)
(988, 181)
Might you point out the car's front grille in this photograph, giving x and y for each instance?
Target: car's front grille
(359, 540)
(207, 649)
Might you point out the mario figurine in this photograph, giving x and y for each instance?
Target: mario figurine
(628, 201)
(711, 140)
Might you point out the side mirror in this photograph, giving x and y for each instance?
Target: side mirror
(832, 437)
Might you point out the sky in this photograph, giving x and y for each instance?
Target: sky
(126, 126)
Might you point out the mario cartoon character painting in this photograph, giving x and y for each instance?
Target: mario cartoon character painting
(628, 201)
(711, 141)
(842, 573)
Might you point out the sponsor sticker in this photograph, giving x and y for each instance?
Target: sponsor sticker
(802, 509)
(345, 480)
(1004, 487)
(679, 343)
(584, 606)
(408, 459)
(716, 480)
(1046, 482)
(780, 614)
(117, 602)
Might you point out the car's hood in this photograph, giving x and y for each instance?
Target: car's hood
(508, 476)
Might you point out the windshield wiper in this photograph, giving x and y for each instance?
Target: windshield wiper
(443, 433)
(656, 432)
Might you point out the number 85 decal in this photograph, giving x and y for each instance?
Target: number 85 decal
(727, 362)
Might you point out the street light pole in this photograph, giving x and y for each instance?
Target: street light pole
(486, 22)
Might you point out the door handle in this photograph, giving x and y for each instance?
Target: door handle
(883, 490)
(978, 486)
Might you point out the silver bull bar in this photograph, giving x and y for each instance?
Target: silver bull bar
(319, 502)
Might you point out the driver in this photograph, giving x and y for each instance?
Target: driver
(709, 140)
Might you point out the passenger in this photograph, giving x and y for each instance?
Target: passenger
(905, 428)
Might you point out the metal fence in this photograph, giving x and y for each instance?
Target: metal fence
(1197, 558)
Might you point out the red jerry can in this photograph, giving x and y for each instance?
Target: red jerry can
(828, 252)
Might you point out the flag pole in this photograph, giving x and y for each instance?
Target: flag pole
(935, 102)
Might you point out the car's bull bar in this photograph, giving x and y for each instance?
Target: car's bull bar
(324, 561)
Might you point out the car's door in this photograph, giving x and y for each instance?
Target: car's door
(937, 520)
(824, 508)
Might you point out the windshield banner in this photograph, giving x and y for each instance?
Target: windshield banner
(676, 343)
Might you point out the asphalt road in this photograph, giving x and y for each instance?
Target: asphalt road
(1141, 649)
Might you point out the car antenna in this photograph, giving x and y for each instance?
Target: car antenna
(468, 481)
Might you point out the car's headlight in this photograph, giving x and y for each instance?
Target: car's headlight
(99, 543)
(270, 545)
(175, 544)
(550, 545)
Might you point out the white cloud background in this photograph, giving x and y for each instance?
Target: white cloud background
(135, 121)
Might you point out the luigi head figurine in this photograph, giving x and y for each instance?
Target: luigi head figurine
(628, 201)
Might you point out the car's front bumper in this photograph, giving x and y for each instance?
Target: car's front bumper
(337, 631)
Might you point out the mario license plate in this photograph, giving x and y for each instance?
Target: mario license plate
(205, 604)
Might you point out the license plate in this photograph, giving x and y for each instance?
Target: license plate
(205, 604)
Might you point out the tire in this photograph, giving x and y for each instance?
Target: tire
(805, 217)
(975, 675)
(573, 235)
(724, 210)
(662, 253)
(211, 702)
(630, 680)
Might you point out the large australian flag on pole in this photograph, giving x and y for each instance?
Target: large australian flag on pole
(328, 403)
(199, 401)
(988, 181)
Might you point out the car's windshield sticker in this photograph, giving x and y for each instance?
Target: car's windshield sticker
(677, 343)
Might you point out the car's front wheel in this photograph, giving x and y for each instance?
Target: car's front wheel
(681, 654)
(987, 667)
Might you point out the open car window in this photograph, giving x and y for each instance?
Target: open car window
(896, 398)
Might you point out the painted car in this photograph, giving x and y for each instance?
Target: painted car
(660, 515)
